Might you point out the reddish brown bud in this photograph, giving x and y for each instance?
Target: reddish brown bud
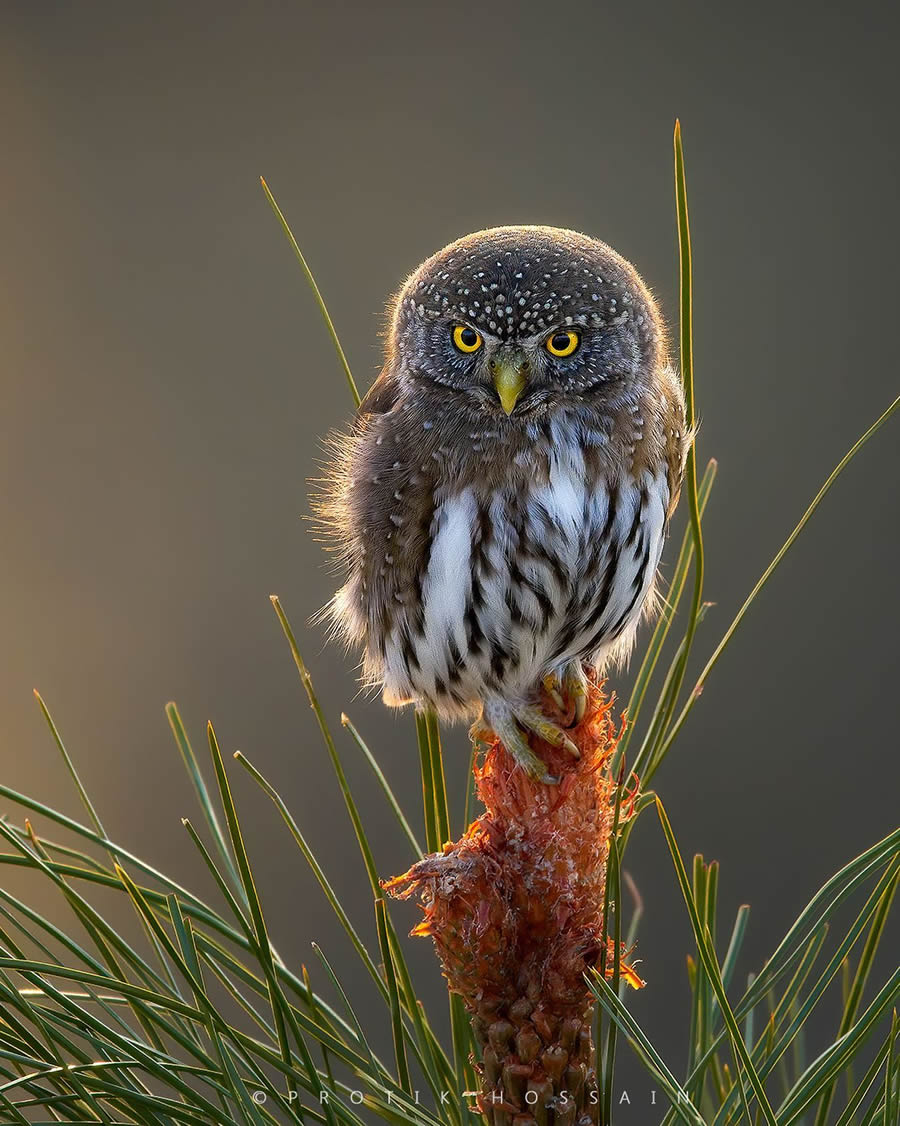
(515, 909)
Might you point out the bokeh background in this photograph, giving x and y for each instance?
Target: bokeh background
(166, 384)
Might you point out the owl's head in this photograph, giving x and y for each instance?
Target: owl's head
(518, 320)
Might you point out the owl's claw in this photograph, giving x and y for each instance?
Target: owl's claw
(509, 724)
(569, 689)
(535, 720)
(499, 721)
(553, 688)
(575, 684)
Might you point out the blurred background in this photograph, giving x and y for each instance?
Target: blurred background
(167, 382)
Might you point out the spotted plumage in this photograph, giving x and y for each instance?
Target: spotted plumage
(501, 501)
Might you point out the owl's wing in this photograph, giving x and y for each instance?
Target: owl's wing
(382, 395)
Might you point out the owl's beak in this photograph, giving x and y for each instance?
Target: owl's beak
(509, 375)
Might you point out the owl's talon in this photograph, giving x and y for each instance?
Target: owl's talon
(553, 687)
(546, 729)
(568, 688)
(501, 722)
(575, 686)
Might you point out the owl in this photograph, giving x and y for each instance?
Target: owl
(501, 501)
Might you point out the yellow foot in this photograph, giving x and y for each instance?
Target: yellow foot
(502, 725)
(567, 687)
(553, 688)
(532, 718)
(509, 723)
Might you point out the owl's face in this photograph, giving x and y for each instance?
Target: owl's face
(517, 320)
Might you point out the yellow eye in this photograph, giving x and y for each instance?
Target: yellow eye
(467, 339)
(562, 343)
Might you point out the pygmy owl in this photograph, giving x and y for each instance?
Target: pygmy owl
(502, 499)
